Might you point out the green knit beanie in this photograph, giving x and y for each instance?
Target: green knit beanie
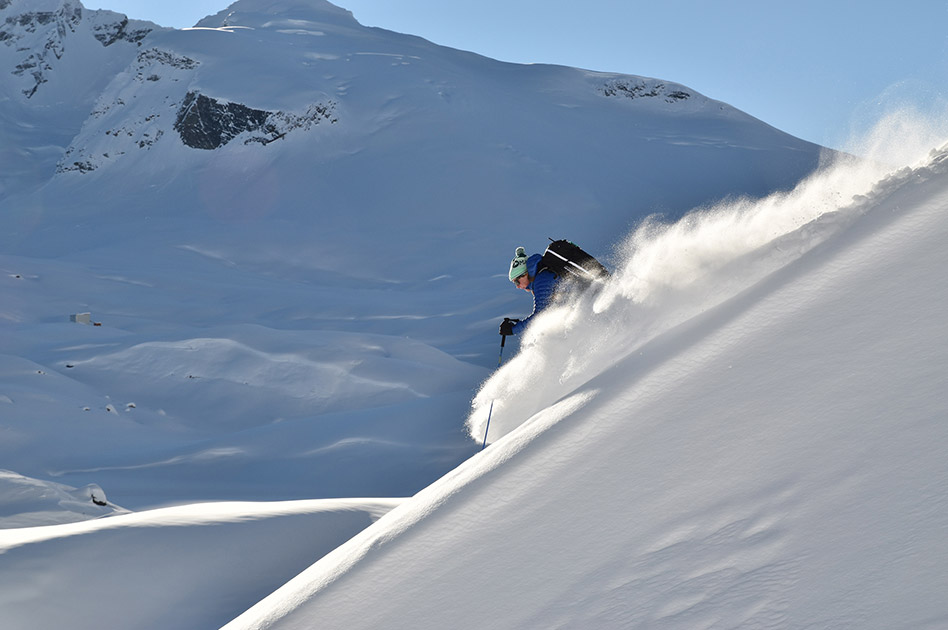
(518, 266)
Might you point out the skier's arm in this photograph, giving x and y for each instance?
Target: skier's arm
(543, 287)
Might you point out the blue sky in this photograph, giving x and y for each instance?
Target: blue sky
(821, 70)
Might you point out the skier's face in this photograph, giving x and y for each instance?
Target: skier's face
(522, 282)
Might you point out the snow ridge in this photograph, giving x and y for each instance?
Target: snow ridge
(279, 14)
(47, 34)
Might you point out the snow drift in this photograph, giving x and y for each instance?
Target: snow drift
(190, 566)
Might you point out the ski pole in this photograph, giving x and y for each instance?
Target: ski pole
(500, 359)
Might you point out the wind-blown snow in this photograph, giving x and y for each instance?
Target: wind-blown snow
(673, 272)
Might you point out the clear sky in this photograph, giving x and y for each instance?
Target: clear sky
(818, 69)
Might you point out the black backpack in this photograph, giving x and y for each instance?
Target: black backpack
(568, 260)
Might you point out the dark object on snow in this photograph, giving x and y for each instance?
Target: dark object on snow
(206, 123)
(562, 263)
(506, 327)
(490, 411)
(568, 260)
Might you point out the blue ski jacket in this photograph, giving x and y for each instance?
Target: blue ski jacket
(543, 286)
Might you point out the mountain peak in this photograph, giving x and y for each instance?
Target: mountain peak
(16, 7)
(265, 13)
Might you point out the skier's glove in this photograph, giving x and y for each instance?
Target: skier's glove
(506, 328)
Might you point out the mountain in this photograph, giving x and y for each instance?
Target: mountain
(56, 57)
(333, 107)
(293, 232)
(252, 272)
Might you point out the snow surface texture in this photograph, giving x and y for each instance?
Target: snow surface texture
(307, 310)
(27, 502)
(191, 566)
(306, 316)
(774, 459)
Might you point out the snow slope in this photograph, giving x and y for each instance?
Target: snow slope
(774, 461)
(192, 566)
(306, 311)
(26, 502)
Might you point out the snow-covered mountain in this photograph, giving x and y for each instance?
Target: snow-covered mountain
(294, 232)
(56, 57)
(289, 235)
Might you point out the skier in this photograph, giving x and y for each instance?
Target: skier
(542, 275)
(524, 275)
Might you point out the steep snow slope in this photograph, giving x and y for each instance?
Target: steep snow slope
(774, 461)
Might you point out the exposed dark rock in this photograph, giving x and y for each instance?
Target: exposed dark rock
(155, 55)
(66, 18)
(82, 167)
(643, 89)
(37, 68)
(113, 32)
(206, 123)
(57, 25)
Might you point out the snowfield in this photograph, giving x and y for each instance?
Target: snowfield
(289, 235)
(773, 461)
